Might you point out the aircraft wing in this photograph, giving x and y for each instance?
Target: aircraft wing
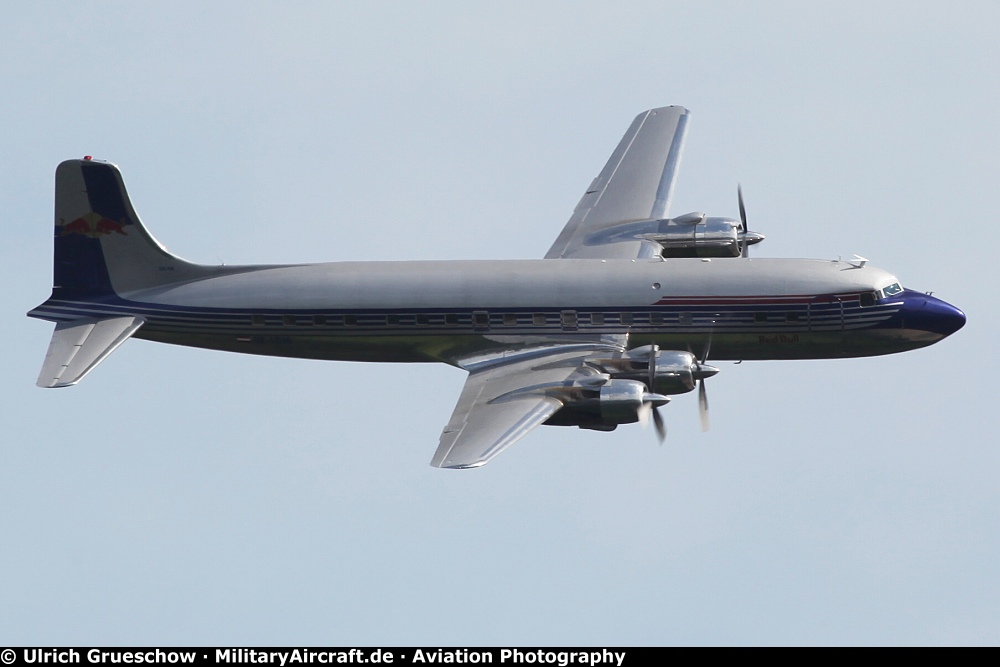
(636, 184)
(78, 346)
(502, 402)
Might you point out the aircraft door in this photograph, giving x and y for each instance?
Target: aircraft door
(825, 316)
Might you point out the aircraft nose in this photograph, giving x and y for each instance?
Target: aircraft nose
(952, 318)
(932, 314)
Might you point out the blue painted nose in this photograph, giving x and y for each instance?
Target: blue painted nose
(931, 314)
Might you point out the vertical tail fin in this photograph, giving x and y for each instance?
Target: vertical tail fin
(101, 246)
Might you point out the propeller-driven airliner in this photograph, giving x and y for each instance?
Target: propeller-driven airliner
(625, 310)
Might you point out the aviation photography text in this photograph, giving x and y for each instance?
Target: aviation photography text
(285, 657)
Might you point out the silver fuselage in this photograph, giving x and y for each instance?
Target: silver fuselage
(449, 311)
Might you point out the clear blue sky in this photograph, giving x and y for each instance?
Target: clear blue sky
(179, 496)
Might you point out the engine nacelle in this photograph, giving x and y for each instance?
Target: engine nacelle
(603, 408)
(697, 235)
(675, 372)
(688, 235)
(620, 400)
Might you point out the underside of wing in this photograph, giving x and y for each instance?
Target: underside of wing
(78, 346)
(489, 429)
(636, 184)
(501, 403)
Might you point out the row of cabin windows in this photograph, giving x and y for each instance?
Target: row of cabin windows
(482, 319)
(567, 318)
(867, 299)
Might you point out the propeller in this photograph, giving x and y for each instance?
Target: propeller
(661, 428)
(649, 412)
(654, 351)
(746, 238)
(700, 371)
(703, 371)
(703, 405)
(744, 245)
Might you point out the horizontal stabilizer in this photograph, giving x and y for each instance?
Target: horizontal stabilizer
(79, 345)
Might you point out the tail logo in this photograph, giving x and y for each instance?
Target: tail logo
(92, 225)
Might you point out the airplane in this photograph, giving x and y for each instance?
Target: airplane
(624, 311)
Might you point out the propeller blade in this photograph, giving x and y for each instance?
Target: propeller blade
(652, 365)
(702, 392)
(661, 428)
(703, 405)
(745, 247)
(648, 412)
(644, 412)
(743, 210)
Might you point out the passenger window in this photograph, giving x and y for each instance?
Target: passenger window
(626, 318)
(258, 320)
(597, 319)
(481, 319)
(656, 318)
(760, 317)
(568, 319)
(451, 319)
(423, 319)
(510, 319)
(351, 320)
(868, 298)
(538, 319)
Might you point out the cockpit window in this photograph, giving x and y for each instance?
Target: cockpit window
(892, 289)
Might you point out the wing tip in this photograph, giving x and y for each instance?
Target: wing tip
(458, 466)
(54, 384)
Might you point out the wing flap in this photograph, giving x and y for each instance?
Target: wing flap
(78, 346)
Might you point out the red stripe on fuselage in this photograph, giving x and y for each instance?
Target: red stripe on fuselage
(753, 300)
